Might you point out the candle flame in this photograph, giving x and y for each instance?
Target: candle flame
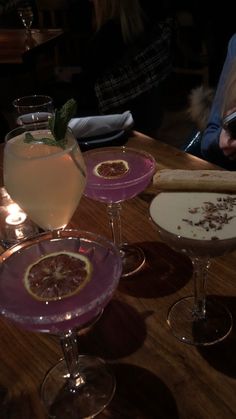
(15, 215)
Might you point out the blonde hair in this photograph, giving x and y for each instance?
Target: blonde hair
(127, 12)
(229, 101)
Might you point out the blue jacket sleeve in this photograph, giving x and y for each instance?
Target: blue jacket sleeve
(210, 138)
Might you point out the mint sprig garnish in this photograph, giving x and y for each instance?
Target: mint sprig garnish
(58, 125)
(29, 138)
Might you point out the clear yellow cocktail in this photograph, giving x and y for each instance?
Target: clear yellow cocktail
(46, 181)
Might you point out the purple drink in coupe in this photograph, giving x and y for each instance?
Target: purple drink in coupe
(117, 173)
(19, 303)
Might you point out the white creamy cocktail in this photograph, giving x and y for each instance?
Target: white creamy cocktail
(197, 222)
(202, 225)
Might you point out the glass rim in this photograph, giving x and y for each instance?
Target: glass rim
(112, 185)
(38, 127)
(47, 100)
(78, 311)
(181, 238)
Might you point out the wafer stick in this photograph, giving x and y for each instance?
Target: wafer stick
(195, 180)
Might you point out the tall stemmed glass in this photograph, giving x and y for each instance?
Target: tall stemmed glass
(201, 225)
(115, 174)
(26, 15)
(47, 181)
(77, 386)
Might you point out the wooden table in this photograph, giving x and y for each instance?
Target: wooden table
(16, 47)
(157, 376)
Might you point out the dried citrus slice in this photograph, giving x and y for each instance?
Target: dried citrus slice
(57, 275)
(111, 169)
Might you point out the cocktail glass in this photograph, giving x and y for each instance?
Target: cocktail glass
(201, 225)
(114, 190)
(77, 386)
(46, 181)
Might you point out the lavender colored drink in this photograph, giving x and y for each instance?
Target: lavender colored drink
(141, 167)
(115, 174)
(17, 304)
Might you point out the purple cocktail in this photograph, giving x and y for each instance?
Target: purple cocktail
(60, 315)
(141, 167)
(63, 315)
(115, 174)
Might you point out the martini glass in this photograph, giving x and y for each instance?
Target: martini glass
(201, 225)
(77, 386)
(114, 190)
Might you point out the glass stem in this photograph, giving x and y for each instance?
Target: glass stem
(200, 271)
(70, 350)
(113, 211)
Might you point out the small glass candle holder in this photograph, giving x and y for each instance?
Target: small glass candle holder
(14, 223)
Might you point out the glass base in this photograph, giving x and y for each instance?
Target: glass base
(214, 328)
(85, 401)
(133, 259)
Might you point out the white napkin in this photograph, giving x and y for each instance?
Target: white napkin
(97, 125)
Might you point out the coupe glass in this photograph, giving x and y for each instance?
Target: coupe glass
(77, 386)
(201, 225)
(113, 191)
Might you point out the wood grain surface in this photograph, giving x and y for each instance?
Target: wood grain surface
(157, 376)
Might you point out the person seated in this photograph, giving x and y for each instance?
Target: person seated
(217, 146)
(127, 61)
(199, 106)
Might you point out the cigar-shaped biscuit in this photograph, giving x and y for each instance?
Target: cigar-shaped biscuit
(195, 180)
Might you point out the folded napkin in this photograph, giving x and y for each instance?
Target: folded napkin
(92, 126)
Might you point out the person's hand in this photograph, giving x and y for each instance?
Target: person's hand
(227, 145)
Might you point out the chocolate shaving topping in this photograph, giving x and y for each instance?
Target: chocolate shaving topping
(213, 216)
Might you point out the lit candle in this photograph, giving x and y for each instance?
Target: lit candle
(15, 225)
(15, 215)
